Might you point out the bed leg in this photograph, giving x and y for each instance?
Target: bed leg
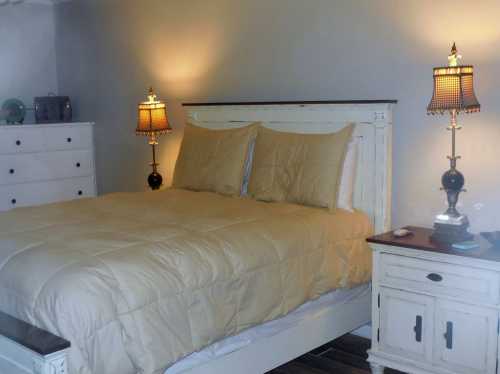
(377, 369)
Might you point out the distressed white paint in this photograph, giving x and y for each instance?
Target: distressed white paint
(42, 164)
(16, 359)
(464, 282)
(467, 296)
(373, 128)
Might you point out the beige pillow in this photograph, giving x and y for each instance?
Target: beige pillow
(298, 168)
(213, 160)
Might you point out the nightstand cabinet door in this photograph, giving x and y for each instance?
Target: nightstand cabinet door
(465, 338)
(406, 324)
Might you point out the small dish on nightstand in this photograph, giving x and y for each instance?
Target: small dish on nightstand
(401, 233)
(465, 246)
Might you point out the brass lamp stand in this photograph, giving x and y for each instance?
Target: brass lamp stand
(153, 122)
(453, 180)
(155, 180)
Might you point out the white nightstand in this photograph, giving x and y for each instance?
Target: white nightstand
(435, 310)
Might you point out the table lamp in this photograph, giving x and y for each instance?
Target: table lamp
(453, 94)
(153, 122)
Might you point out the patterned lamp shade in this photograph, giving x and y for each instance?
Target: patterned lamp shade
(152, 117)
(453, 90)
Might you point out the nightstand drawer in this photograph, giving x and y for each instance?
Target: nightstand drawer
(437, 278)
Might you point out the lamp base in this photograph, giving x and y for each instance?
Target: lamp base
(450, 230)
(155, 180)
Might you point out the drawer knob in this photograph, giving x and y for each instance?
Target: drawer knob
(80, 193)
(12, 171)
(69, 140)
(435, 277)
(18, 142)
(78, 165)
(13, 201)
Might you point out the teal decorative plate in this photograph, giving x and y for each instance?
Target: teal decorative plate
(13, 111)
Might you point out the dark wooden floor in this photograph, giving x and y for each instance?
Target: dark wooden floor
(346, 355)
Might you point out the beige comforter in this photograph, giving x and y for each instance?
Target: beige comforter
(137, 281)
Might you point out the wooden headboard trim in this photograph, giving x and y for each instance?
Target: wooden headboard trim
(294, 102)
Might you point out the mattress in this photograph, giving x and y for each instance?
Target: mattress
(311, 310)
(137, 281)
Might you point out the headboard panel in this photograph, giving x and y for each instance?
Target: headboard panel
(373, 121)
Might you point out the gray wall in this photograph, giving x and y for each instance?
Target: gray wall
(28, 56)
(109, 51)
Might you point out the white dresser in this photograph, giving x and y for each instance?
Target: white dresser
(435, 310)
(41, 164)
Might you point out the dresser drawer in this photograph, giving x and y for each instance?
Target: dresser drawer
(32, 167)
(440, 279)
(67, 137)
(39, 193)
(21, 140)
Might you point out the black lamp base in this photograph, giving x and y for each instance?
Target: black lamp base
(155, 180)
(450, 234)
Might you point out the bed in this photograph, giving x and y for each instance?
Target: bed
(137, 282)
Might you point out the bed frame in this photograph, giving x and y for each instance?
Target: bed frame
(372, 195)
(25, 349)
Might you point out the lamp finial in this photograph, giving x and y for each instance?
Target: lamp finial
(151, 95)
(454, 56)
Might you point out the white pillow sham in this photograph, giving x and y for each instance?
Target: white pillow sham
(248, 167)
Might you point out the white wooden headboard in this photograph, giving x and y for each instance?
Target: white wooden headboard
(373, 121)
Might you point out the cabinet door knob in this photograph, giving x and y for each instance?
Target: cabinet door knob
(13, 201)
(80, 193)
(18, 142)
(434, 277)
(78, 165)
(69, 140)
(12, 171)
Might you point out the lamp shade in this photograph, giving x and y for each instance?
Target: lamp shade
(152, 117)
(453, 90)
